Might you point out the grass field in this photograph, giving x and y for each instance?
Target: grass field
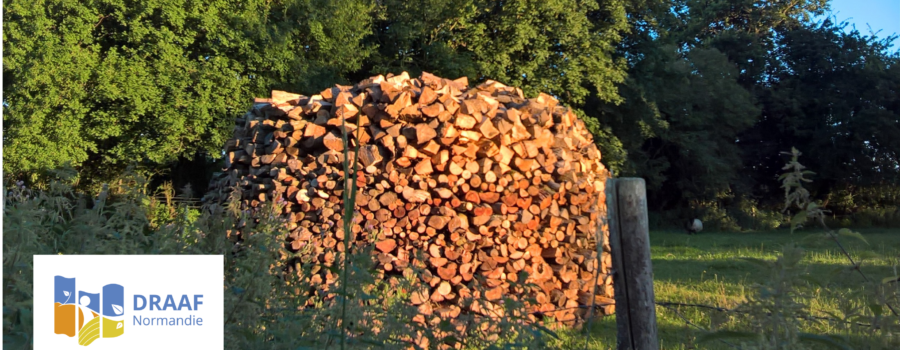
(707, 269)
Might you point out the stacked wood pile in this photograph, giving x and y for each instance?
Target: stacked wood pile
(474, 184)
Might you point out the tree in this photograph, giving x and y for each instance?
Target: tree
(695, 69)
(835, 95)
(679, 123)
(102, 84)
(561, 47)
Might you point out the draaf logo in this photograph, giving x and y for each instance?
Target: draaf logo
(83, 315)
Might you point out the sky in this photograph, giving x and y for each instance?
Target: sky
(881, 15)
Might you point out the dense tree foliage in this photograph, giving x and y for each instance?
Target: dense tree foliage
(698, 97)
(836, 97)
(100, 84)
(716, 89)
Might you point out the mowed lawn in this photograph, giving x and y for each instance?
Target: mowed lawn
(707, 269)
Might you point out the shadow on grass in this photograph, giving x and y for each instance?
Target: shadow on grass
(675, 334)
(739, 271)
(602, 336)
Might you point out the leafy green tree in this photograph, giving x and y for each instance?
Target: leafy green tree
(834, 96)
(680, 122)
(561, 47)
(101, 84)
(745, 30)
(694, 72)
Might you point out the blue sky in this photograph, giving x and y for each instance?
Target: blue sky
(881, 15)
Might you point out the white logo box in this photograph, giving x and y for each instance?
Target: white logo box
(184, 277)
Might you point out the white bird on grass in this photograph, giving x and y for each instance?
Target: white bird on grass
(694, 226)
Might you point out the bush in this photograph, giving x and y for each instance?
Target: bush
(749, 216)
(885, 217)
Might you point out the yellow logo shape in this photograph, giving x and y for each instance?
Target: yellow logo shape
(113, 328)
(90, 332)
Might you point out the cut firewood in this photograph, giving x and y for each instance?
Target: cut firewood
(474, 185)
(387, 245)
(424, 133)
(424, 167)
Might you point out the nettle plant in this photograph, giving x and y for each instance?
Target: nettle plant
(268, 305)
(780, 308)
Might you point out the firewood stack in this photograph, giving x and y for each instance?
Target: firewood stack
(474, 184)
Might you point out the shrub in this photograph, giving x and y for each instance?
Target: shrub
(748, 215)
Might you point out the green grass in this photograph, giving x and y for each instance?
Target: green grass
(707, 269)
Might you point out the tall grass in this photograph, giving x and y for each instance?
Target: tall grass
(270, 301)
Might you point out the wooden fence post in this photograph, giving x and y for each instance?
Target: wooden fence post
(629, 233)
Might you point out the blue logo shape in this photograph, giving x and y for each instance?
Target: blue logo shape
(114, 298)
